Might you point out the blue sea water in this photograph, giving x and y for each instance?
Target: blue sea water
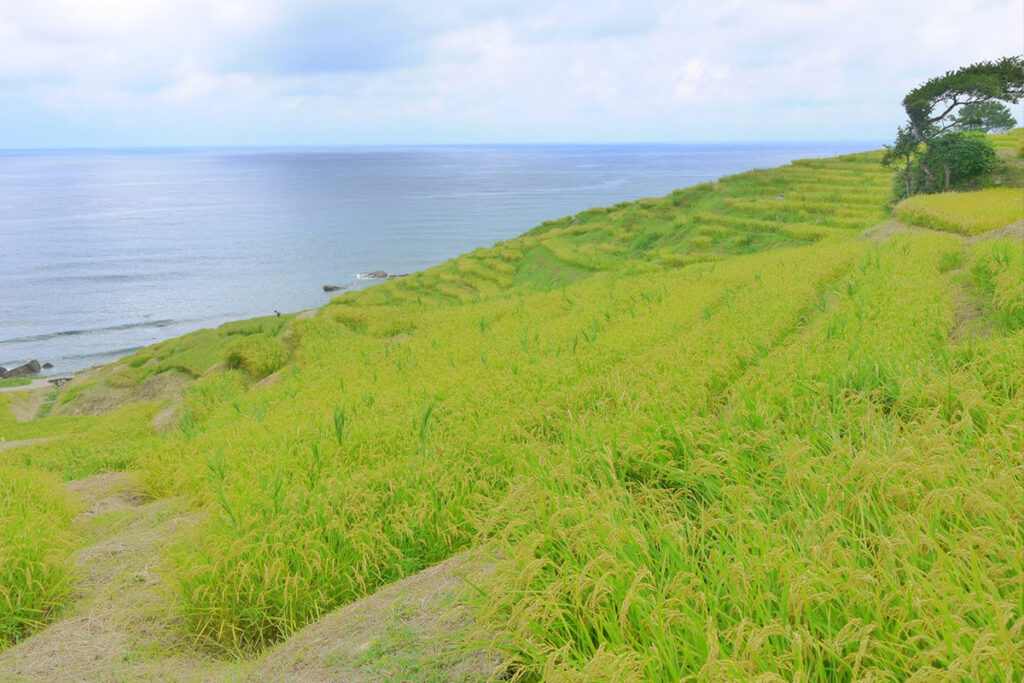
(108, 251)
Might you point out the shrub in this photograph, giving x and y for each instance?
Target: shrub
(962, 159)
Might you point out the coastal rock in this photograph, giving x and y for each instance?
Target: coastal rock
(47, 366)
(373, 275)
(3, 372)
(334, 288)
(392, 276)
(30, 368)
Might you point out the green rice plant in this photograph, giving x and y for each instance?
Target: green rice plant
(951, 260)
(771, 530)
(424, 424)
(995, 270)
(568, 253)
(456, 291)
(966, 213)
(259, 356)
(339, 425)
(35, 545)
(1009, 141)
(686, 464)
(501, 266)
(472, 268)
(352, 317)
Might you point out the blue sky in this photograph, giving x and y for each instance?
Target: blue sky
(95, 73)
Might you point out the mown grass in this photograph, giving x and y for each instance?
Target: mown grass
(966, 213)
(15, 382)
(702, 436)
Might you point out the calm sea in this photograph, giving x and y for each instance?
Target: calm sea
(105, 252)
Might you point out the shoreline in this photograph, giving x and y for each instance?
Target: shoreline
(466, 206)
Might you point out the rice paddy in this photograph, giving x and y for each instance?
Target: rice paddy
(706, 436)
(966, 213)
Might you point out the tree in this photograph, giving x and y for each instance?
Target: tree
(902, 155)
(960, 157)
(984, 117)
(999, 81)
(949, 106)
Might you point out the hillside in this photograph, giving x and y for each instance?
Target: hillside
(734, 431)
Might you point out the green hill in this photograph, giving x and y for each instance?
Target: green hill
(718, 434)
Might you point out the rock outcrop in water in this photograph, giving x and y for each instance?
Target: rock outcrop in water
(30, 368)
(379, 275)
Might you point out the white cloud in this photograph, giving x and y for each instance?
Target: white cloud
(317, 71)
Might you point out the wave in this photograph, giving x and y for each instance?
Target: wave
(525, 192)
(97, 330)
(113, 353)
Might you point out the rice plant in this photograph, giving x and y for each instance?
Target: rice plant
(706, 436)
(35, 544)
(966, 213)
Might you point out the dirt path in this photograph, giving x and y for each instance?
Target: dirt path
(25, 405)
(7, 445)
(413, 630)
(122, 627)
(971, 319)
(883, 231)
(119, 629)
(1013, 231)
(37, 383)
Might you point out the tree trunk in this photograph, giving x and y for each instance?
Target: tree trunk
(929, 177)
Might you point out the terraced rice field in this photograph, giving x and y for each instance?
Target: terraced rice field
(706, 436)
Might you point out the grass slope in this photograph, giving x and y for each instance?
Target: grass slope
(705, 435)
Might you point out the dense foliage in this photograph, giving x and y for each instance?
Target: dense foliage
(935, 151)
(985, 117)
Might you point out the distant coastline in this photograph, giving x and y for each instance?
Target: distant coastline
(124, 248)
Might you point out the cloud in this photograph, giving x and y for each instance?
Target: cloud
(333, 38)
(320, 71)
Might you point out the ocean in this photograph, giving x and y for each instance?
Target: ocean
(108, 251)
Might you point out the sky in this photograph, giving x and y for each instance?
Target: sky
(158, 73)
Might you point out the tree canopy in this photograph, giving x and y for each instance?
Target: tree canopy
(942, 144)
(984, 117)
(932, 106)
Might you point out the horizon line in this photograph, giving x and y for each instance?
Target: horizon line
(379, 145)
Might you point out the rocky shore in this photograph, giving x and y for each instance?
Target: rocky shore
(27, 370)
